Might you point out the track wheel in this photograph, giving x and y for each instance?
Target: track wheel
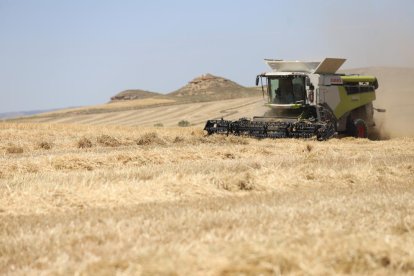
(358, 128)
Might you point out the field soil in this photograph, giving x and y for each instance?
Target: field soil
(92, 200)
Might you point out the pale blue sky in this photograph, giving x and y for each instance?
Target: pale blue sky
(80, 52)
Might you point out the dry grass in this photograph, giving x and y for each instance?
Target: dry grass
(45, 145)
(13, 149)
(171, 201)
(108, 141)
(151, 138)
(84, 143)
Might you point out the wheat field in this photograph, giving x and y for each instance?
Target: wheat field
(145, 112)
(88, 200)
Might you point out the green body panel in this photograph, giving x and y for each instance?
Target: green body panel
(349, 102)
(346, 79)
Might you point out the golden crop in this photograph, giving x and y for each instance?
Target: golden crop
(133, 200)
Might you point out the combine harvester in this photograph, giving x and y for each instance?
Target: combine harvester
(306, 100)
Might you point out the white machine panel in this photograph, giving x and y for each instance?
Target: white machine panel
(329, 66)
(292, 66)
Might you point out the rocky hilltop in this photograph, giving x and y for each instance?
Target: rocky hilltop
(206, 84)
(212, 87)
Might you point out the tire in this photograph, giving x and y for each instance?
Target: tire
(358, 128)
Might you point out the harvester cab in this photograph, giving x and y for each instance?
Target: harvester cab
(308, 99)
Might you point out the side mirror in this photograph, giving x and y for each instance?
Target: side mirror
(257, 80)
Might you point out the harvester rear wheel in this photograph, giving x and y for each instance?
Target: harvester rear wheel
(358, 128)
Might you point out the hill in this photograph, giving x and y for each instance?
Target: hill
(203, 88)
(16, 114)
(135, 94)
(143, 107)
(210, 87)
(148, 112)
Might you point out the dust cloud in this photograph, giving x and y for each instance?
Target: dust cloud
(396, 121)
(373, 42)
(396, 95)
